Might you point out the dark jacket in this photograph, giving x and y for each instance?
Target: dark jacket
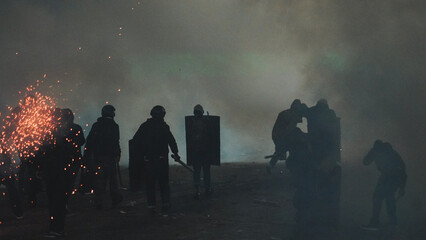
(74, 141)
(300, 155)
(285, 122)
(54, 156)
(103, 140)
(388, 162)
(153, 139)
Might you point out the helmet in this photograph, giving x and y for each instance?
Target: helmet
(108, 111)
(322, 103)
(68, 115)
(198, 110)
(158, 112)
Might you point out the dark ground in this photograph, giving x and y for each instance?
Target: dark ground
(246, 204)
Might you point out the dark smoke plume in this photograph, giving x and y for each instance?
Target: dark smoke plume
(242, 60)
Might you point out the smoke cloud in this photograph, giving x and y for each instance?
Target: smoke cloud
(242, 60)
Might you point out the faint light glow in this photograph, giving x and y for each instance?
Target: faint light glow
(109, 57)
(16, 53)
(119, 90)
(79, 48)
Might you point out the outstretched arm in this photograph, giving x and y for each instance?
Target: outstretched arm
(369, 158)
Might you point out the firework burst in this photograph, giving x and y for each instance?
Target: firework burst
(28, 126)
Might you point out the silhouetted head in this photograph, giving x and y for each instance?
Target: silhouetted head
(158, 112)
(322, 103)
(299, 107)
(378, 143)
(68, 115)
(295, 105)
(198, 110)
(108, 111)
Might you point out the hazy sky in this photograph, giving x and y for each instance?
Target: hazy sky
(242, 60)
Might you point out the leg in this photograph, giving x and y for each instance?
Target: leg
(390, 201)
(114, 188)
(58, 188)
(197, 173)
(100, 187)
(207, 177)
(150, 184)
(14, 198)
(164, 184)
(378, 197)
(196, 176)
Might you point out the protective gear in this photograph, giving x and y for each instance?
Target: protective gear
(322, 103)
(103, 150)
(198, 110)
(154, 138)
(108, 111)
(158, 112)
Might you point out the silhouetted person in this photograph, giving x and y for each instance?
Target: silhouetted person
(304, 173)
(29, 182)
(199, 138)
(320, 119)
(153, 138)
(54, 165)
(324, 134)
(75, 139)
(7, 178)
(7, 173)
(103, 144)
(286, 120)
(392, 178)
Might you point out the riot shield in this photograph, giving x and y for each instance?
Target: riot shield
(210, 139)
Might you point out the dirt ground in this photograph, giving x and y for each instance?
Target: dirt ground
(246, 204)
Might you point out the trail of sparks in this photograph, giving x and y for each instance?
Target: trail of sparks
(26, 128)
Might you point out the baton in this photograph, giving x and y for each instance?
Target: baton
(182, 163)
(272, 155)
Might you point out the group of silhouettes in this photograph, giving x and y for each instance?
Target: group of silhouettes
(313, 159)
(60, 159)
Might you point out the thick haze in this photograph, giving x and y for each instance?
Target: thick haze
(242, 60)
